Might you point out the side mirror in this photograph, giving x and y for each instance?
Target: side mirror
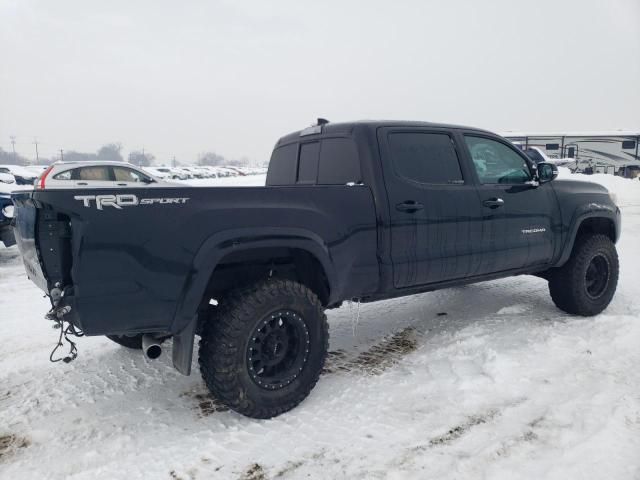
(547, 172)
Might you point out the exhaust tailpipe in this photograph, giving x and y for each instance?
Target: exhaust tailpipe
(151, 347)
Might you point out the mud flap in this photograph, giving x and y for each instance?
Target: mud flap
(182, 352)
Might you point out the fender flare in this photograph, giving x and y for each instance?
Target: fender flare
(584, 213)
(225, 242)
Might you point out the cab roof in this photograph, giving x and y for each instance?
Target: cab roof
(347, 128)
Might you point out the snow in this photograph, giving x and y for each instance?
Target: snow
(627, 191)
(483, 381)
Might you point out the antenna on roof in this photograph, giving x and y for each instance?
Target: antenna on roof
(322, 121)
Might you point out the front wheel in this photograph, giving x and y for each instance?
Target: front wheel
(262, 350)
(585, 285)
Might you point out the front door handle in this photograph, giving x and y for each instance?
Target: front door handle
(493, 203)
(410, 206)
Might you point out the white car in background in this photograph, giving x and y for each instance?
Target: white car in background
(165, 173)
(207, 171)
(37, 169)
(96, 175)
(7, 178)
(228, 172)
(197, 172)
(22, 175)
(8, 184)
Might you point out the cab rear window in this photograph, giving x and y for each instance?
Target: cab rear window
(282, 167)
(330, 161)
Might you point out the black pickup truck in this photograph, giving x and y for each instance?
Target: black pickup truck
(351, 211)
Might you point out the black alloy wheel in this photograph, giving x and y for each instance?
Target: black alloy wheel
(278, 349)
(597, 276)
(586, 284)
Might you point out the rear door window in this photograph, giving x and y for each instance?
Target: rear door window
(339, 162)
(428, 158)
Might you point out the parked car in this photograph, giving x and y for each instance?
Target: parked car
(7, 179)
(364, 210)
(22, 175)
(98, 174)
(165, 173)
(36, 169)
(186, 173)
(207, 171)
(6, 214)
(228, 172)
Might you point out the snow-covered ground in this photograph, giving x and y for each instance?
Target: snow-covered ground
(484, 381)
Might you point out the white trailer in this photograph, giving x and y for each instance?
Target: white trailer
(614, 152)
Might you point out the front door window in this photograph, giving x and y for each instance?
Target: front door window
(496, 163)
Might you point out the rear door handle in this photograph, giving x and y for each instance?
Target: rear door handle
(493, 203)
(410, 206)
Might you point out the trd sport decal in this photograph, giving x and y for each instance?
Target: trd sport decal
(125, 200)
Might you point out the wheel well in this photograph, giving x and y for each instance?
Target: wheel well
(240, 269)
(597, 225)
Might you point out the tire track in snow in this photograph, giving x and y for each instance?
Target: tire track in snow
(372, 361)
(10, 444)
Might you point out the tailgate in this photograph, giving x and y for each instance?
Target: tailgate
(25, 231)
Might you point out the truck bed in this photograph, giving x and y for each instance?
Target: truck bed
(147, 253)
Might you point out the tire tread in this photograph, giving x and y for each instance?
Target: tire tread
(224, 333)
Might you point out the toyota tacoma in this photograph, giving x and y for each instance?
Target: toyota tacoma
(360, 211)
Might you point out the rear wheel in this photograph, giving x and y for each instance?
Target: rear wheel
(134, 342)
(263, 349)
(585, 285)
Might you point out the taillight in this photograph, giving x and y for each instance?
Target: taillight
(43, 177)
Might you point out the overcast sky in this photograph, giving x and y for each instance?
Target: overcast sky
(179, 78)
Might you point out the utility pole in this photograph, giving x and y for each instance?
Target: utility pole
(35, 142)
(13, 146)
(174, 161)
(61, 155)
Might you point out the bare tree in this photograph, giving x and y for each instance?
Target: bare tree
(142, 159)
(110, 151)
(73, 156)
(12, 158)
(211, 158)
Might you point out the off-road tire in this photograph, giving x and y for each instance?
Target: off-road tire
(568, 284)
(226, 340)
(134, 342)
